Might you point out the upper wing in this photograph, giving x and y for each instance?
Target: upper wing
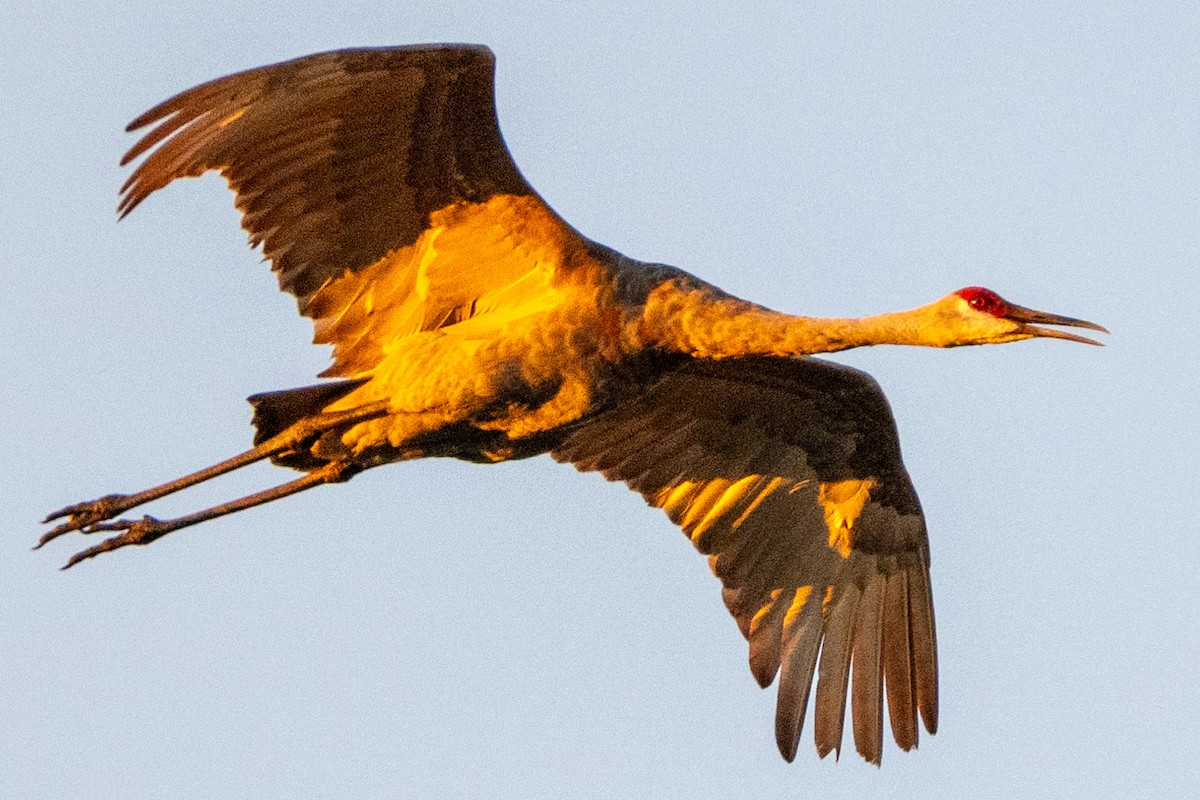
(787, 474)
(357, 158)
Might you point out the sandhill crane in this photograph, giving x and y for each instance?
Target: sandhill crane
(468, 320)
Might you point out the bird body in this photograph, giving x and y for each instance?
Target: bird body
(468, 320)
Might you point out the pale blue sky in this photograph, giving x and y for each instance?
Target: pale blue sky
(446, 630)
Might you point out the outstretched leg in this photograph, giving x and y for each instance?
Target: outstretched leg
(87, 517)
(147, 529)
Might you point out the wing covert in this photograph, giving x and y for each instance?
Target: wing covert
(786, 473)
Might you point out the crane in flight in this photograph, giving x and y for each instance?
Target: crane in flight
(468, 320)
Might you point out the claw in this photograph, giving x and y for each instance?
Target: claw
(83, 517)
(141, 531)
(53, 534)
(91, 517)
(94, 510)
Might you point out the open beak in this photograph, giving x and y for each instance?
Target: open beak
(1030, 320)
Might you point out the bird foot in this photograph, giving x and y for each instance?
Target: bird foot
(84, 517)
(139, 531)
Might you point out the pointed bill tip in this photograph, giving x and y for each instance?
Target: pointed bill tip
(1032, 321)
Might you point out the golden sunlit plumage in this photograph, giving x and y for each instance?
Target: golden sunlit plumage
(468, 320)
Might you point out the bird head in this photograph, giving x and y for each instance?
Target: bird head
(975, 315)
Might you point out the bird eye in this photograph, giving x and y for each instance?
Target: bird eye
(984, 300)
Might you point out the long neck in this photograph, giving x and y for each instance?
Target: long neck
(704, 323)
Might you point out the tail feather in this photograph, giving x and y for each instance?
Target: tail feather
(275, 412)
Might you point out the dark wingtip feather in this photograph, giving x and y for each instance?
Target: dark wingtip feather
(803, 627)
(898, 661)
(924, 646)
(867, 677)
(765, 633)
(834, 672)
